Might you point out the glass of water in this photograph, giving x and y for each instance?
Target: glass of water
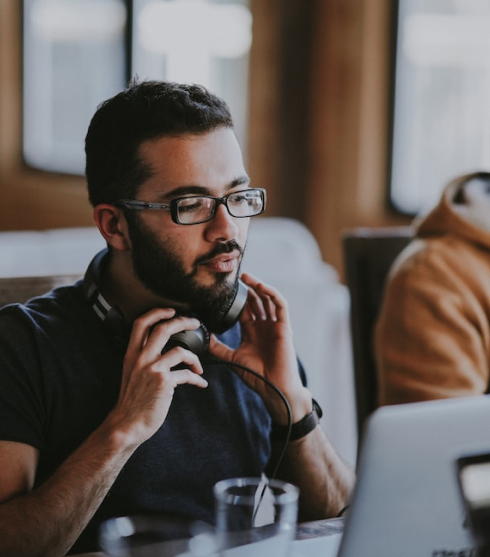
(255, 516)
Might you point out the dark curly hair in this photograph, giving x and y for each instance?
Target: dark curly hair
(144, 111)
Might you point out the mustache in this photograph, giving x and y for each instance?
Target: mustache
(223, 247)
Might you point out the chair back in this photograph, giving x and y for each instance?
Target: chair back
(368, 256)
(21, 289)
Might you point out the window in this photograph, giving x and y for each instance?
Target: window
(78, 53)
(442, 91)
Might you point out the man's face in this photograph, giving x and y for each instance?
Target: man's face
(196, 265)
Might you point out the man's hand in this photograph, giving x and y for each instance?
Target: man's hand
(267, 348)
(148, 382)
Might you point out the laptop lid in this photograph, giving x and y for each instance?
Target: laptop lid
(406, 502)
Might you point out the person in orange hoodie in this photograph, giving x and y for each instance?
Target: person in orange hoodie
(432, 337)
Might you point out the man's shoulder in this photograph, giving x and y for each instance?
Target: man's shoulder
(439, 251)
(61, 301)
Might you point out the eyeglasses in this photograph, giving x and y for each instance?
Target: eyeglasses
(202, 208)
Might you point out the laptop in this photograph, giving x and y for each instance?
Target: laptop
(407, 502)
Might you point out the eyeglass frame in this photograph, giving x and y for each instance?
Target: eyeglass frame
(172, 206)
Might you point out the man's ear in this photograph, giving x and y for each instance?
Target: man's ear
(112, 225)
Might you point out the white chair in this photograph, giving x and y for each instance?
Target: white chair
(60, 251)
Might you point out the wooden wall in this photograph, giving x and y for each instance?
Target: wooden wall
(323, 79)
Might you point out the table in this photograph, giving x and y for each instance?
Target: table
(320, 528)
(304, 530)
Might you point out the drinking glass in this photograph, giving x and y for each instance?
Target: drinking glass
(255, 517)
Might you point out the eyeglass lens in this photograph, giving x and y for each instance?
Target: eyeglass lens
(240, 204)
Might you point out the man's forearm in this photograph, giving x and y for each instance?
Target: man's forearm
(47, 521)
(324, 479)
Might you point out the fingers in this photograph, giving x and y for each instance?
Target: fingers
(141, 326)
(163, 330)
(181, 357)
(151, 331)
(264, 301)
(149, 335)
(185, 376)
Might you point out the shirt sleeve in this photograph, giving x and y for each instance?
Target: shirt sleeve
(21, 393)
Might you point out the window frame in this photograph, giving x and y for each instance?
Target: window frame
(394, 207)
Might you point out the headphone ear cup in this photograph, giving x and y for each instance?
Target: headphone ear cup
(196, 341)
(234, 311)
(111, 317)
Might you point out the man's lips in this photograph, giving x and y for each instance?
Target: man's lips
(223, 263)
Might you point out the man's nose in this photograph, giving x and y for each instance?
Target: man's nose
(223, 226)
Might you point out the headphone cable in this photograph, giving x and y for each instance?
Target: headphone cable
(281, 395)
(284, 400)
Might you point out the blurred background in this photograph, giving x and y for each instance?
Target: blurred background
(350, 112)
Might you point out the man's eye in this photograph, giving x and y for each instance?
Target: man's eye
(191, 205)
(237, 198)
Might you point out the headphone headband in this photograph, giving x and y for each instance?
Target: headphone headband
(111, 316)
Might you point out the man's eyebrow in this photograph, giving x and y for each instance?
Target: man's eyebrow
(192, 189)
(240, 181)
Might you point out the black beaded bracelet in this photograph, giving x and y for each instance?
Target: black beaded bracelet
(299, 429)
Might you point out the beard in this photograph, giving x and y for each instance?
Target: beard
(161, 270)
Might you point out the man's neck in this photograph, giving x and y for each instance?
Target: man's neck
(123, 289)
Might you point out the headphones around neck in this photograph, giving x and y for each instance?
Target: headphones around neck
(196, 341)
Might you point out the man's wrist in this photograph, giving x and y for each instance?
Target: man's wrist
(299, 429)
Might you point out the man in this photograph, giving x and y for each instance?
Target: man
(100, 415)
(433, 332)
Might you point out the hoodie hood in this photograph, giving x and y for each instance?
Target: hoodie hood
(463, 210)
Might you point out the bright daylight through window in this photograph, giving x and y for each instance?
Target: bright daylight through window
(80, 52)
(442, 92)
